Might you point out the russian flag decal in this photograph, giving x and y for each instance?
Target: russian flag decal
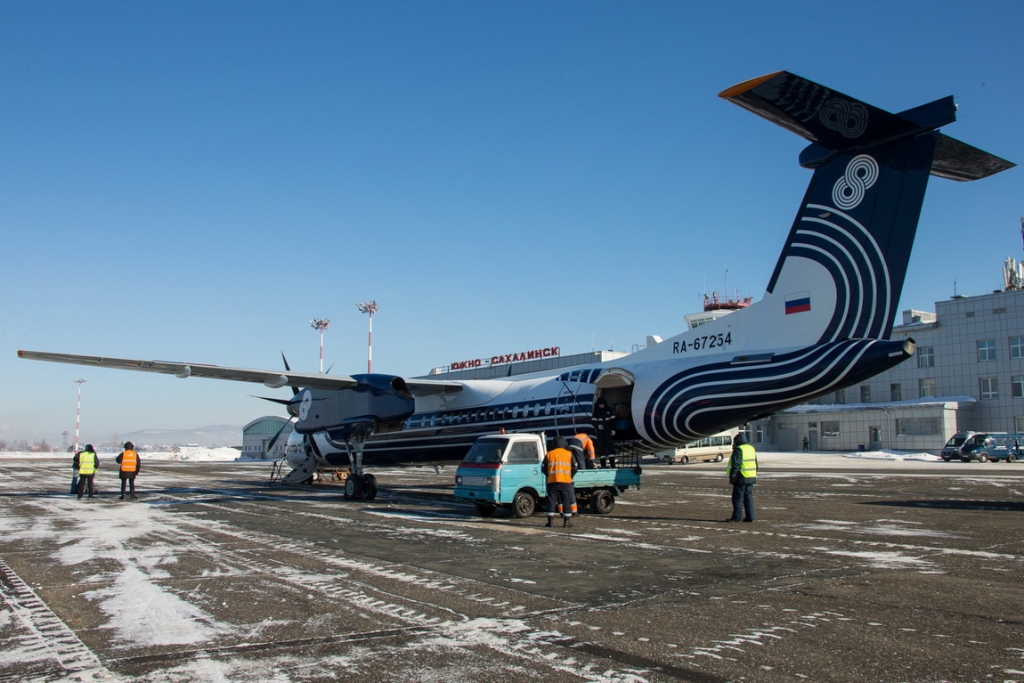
(798, 303)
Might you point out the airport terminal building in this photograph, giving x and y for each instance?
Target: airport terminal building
(967, 374)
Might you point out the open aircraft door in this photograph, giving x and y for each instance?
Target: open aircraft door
(615, 385)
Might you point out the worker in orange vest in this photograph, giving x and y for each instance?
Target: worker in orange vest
(589, 455)
(130, 464)
(560, 469)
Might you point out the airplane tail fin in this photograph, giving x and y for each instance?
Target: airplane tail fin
(841, 272)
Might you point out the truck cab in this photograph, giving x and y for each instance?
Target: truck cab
(504, 470)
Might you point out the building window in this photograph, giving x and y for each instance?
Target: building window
(918, 426)
(926, 357)
(841, 397)
(1019, 422)
(830, 430)
(896, 392)
(927, 386)
(1017, 386)
(989, 387)
(865, 393)
(986, 349)
(1016, 347)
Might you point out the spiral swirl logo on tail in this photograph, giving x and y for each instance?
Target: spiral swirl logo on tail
(849, 119)
(861, 173)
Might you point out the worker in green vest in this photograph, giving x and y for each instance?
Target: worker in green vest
(742, 475)
(86, 463)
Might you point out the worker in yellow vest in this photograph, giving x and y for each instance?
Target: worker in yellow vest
(742, 475)
(86, 463)
(560, 469)
(130, 464)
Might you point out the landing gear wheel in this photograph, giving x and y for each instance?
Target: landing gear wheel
(485, 509)
(602, 502)
(371, 487)
(354, 487)
(523, 505)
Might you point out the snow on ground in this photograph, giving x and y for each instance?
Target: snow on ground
(192, 453)
(887, 454)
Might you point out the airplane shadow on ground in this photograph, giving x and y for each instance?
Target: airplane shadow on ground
(995, 505)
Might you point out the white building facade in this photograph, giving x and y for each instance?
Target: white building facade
(967, 374)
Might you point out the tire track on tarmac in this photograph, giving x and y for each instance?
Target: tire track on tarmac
(52, 650)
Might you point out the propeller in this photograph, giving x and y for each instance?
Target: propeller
(281, 401)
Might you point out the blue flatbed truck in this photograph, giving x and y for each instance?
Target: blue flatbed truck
(504, 470)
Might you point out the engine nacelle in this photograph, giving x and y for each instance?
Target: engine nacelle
(295, 450)
(383, 398)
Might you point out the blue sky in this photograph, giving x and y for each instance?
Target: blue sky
(196, 181)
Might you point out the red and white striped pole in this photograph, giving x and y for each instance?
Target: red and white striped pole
(369, 307)
(78, 412)
(321, 324)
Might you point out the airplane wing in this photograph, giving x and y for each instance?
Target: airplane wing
(270, 378)
(273, 379)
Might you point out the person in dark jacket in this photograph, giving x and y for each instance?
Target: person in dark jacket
(742, 476)
(130, 464)
(604, 422)
(86, 463)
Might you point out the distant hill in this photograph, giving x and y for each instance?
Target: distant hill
(213, 436)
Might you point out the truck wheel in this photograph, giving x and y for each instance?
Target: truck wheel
(485, 509)
(524, 504)
(719, 457)
(1011, 458)
(982, 457)
(602, 502)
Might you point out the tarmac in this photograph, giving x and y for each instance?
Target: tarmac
(855, 570)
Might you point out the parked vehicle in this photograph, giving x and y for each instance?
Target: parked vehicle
(504, 470)
(994, 446)
(951, 451)
(716, 447)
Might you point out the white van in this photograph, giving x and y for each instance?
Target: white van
(716, 447)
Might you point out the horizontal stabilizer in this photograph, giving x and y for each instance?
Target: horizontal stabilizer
(959, 161)
(819, 114)
(837, 123)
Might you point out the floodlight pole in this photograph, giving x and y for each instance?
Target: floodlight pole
(369, 307)
(78, 412)
(321, 324)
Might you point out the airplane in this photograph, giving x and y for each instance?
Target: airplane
(823, 323)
